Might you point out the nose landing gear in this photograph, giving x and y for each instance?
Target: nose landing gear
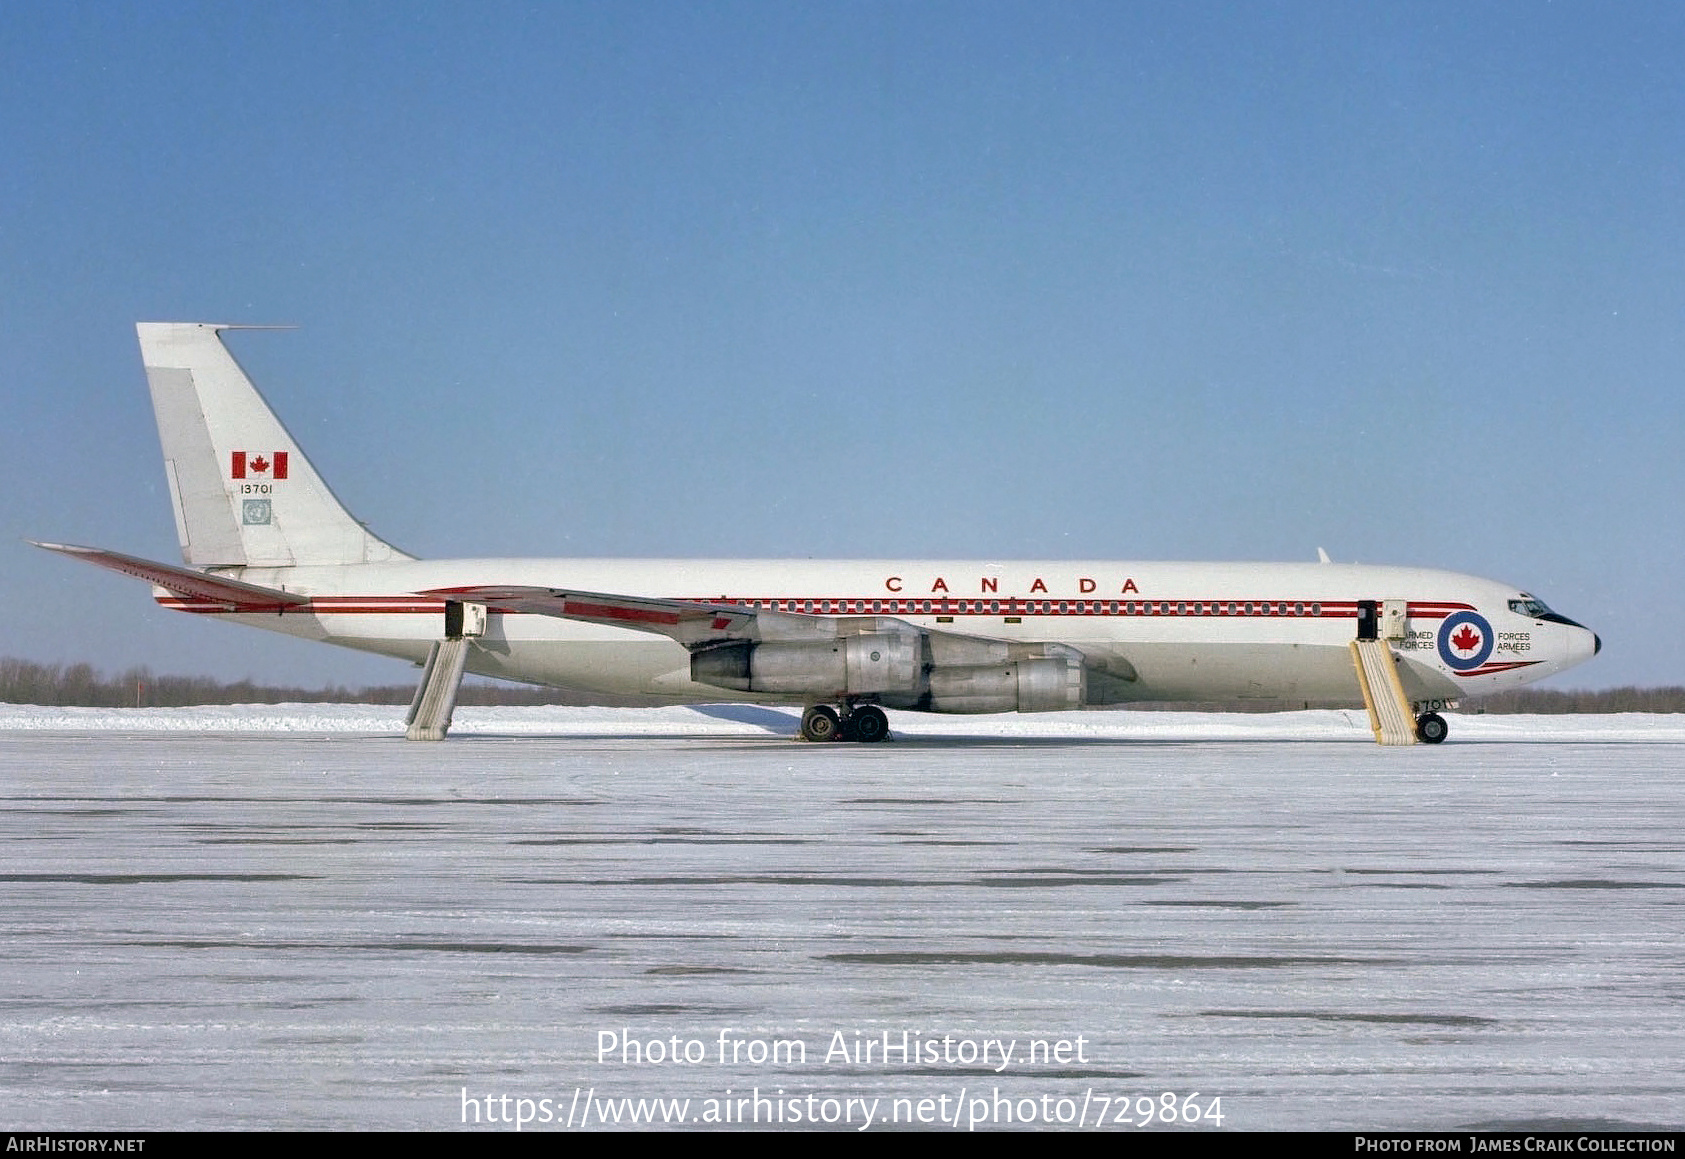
(866, 723)
(1431, 728)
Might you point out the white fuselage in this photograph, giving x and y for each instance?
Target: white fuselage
(1176, 631)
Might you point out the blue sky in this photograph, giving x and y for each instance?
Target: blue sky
(1148, 281)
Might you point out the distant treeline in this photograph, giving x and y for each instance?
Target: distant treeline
(24, 682)
(1548, 700)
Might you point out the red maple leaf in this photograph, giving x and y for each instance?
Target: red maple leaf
(1466, 639)
(259, 464)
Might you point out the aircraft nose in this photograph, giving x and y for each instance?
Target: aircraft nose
(1577, 644)
(1585, 644)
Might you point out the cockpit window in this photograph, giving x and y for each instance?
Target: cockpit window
(1529, 606)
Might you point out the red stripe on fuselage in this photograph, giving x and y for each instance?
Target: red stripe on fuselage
(1273, 609)
(1489, 669)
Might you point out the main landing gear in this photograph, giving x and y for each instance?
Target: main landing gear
(866, 723)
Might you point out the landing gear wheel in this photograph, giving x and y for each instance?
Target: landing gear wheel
(1431, 728)
(868, 724)
(820, 723)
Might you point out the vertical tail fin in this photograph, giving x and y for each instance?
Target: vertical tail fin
(243, 492)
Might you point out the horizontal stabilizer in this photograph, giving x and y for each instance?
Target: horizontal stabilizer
(194, 585)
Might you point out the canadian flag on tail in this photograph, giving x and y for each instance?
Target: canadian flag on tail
(275, 466)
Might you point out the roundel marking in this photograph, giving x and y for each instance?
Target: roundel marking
(1465, 640)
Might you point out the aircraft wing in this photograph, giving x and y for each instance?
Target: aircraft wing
(700, 625)
(692, 623)
(833, 657)
(234, 595)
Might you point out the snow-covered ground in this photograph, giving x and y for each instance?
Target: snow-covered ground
(290, 917)
(722, 720)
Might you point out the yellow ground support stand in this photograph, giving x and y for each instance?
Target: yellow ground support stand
(435, 697)
(1383, 693)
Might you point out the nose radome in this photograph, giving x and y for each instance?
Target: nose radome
(1596, 643)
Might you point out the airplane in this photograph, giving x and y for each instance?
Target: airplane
(265, 543)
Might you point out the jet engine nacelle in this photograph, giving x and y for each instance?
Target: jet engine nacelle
(874, 663)
(1043, 685)
(960, 676)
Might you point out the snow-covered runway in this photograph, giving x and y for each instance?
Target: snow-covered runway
(290, 917)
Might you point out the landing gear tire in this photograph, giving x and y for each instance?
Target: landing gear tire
(868, 724)
(1431, 728)
(820, 723)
